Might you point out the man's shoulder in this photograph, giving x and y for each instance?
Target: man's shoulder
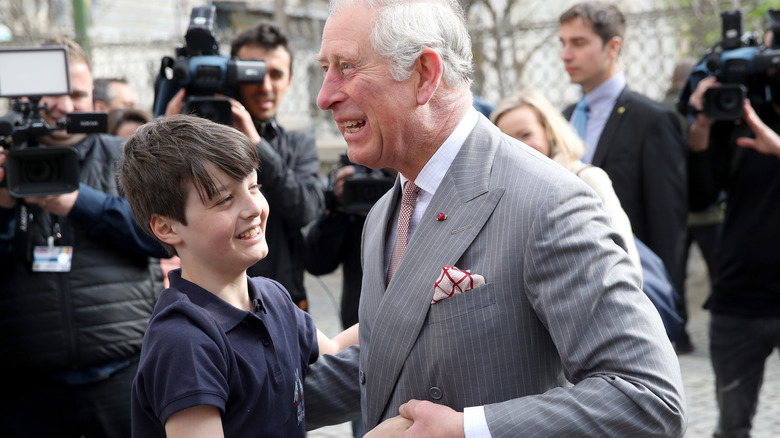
(106, 142)
(298, 138)
(643, 102)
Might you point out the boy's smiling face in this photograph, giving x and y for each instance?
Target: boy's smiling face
(226, 234)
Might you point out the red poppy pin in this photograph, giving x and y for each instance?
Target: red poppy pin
(441, 216)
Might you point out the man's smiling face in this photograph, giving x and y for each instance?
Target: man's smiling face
(374, 112)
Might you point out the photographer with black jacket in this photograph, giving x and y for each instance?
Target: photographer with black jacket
(76, 288)
(734, 155)
(289, 163)
(334, 239)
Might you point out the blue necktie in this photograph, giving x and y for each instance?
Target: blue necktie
(580, 121)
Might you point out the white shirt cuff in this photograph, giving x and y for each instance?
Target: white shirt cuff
(474, 423)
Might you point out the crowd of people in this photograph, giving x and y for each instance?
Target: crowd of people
(505, 271)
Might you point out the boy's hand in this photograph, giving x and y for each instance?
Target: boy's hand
(392, 427)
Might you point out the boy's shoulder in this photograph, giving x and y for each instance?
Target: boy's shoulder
(175, 307)
(270, 291)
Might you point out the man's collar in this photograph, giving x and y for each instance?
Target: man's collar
(268, 129)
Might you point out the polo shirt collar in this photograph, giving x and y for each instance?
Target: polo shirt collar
(226, 315)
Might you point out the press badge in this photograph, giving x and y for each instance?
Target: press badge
(52, 258)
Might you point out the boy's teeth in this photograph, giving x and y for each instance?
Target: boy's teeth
(249, 234)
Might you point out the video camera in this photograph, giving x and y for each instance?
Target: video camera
(202, 72)
(26, 75)
(361, 190)
(740, 64)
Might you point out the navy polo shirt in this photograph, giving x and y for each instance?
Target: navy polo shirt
(200, 350)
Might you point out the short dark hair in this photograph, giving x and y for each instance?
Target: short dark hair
(102, 89)
(263, 34)
(166, 155)
(605, 18)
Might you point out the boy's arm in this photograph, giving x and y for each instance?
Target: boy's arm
(339, 342)
(199, 421)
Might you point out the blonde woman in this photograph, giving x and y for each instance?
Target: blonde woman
(529, 117)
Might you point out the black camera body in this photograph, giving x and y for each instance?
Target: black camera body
(203, 72)
(31, 169)
(739, 64)
(361, 190)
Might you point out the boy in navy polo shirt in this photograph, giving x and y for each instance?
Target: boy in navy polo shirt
(224, 354)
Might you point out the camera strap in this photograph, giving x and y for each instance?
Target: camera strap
(40, 258)
(22, 250)
(51, 257)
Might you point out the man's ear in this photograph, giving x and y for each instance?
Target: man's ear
(430, 69)
(613, 47)
(164, 229)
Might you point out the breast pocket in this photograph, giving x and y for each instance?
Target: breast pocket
(461, 304)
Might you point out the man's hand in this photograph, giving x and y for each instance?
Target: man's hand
(242, 121)
(60, 205)
(431, 420)
(338, 181)
(175, 104)
(6, 200)
(766, 141)
(699, 136)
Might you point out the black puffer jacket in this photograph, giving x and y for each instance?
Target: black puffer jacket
(96, 313)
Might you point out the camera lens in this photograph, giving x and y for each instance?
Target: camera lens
(727, 101)
(39, 170)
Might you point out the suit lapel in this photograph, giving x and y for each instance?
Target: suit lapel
(466, 198)
(607, 139)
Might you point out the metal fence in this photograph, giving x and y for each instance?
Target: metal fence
(524, 56)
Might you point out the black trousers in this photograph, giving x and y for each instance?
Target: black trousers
(36, 406)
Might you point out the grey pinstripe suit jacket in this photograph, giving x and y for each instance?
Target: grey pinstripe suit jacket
(562, 304)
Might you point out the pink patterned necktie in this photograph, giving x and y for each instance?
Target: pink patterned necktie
(408, 200)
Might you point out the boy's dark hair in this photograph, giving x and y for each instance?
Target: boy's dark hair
(166, 155)
(263, 34)
(605, 18)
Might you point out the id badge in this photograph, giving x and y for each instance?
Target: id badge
(52, 258)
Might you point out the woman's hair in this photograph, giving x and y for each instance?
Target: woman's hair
(168, 155)
(405, 27)
(566, 147)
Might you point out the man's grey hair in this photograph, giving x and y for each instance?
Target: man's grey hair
(405, 27)
(102, 89)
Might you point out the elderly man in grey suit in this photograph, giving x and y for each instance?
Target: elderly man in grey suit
(497, 300)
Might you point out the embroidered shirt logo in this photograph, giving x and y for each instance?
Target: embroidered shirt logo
(298, 398)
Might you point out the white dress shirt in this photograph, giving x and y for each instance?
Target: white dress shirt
(474, 421)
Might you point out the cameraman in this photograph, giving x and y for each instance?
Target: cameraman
(745, 298)
(333, 240)
(289, 163)
(71, 332)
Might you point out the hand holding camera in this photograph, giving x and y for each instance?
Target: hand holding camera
(241, 119)
(766, 141)
(209, 79)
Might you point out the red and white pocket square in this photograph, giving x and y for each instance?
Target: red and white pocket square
(453, 281)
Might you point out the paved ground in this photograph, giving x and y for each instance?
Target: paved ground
(324, 294)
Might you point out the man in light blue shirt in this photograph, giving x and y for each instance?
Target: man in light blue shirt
(637, 141)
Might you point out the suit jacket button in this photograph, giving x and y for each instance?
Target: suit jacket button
(435, 392)
(362, 377)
